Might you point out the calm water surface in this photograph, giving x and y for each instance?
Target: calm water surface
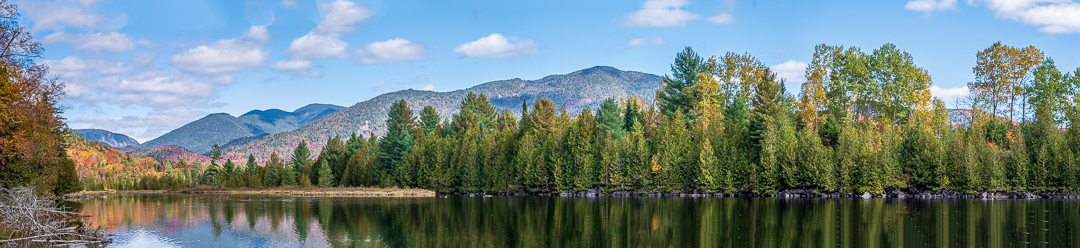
(453, 221)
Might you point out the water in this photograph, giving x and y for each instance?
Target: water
(257, 221)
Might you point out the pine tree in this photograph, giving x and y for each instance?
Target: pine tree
(608, 117)
(274, 168)
(67, 180)
(677, 94)
(336, 155)
(710, 171)
(301, 159)
(429, 119)
(326, 176)
(398, 140)
(543, 116)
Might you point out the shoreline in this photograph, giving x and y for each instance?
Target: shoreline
(799, 194)
(591, 193)
(290, 191)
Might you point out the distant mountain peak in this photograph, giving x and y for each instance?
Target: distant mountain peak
(105, 137)
(577, 90)
(220, 128)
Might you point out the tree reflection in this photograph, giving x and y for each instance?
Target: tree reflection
(579, 222)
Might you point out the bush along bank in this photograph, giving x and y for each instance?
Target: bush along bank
(795, 193)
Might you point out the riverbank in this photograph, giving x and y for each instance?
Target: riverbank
(805, 193)
(290, 192)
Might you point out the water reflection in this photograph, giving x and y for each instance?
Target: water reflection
(194, 221)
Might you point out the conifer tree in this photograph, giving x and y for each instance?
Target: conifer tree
(398, 140)
(608, 118)
(300, 161)
(677, 94)
(326, 177)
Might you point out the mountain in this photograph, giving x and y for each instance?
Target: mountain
(963, 117)
(111, 139)
(577, 90)
(170, 153)
(95, 161)
(221, 128)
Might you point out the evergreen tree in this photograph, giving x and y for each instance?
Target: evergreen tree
(336, 155)
(543, 116)
(766, 106)
(67, 180)
(632, 114)
(579, 146)
(326, 177)
(710, 170)
(608, 117)
(301, 159)
(921, 158)
(677, 94)
(274, 168)
(398, 140)
(735, 162)
(288, 176)
(475, 112)
(429, 119)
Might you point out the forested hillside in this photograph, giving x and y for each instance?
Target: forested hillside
(577, 90)
(221, 128)
(863, 122)
(111, 139)
(171, 153)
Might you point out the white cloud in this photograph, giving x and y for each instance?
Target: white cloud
(166, 85)
(88, 3)
(722, 18)
(289, 3)
(930, 5)
(97, 42)
(380, 84)
(73, 66)
(340, 16)
(225, 56)
(661, 13)
(143, 59)
(55, 16)
(292, 65)
(257, 33)
(640, 42)
(791, 71)
(1051, 16)
(430, 87)
(141, 128)
(316, 46)
(497, 46)
(310, 75)
(154, 89)
(396, 49)
(949, 95)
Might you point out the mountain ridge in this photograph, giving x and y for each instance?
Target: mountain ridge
(220, 128)
(106, 137)
(576, 90)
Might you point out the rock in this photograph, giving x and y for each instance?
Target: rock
(866, 195)
(593, 192)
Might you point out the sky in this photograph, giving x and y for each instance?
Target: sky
(143, 68)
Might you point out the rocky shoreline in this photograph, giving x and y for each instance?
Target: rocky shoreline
(909, 193)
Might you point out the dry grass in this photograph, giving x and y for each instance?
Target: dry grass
(283, 191)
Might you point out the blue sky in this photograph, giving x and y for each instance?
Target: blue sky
(143, 68)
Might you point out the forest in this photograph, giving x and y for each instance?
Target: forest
(863, 122)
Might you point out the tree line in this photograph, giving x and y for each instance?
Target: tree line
(32, 148)
(863, 122)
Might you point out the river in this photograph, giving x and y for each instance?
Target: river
(461, 221)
